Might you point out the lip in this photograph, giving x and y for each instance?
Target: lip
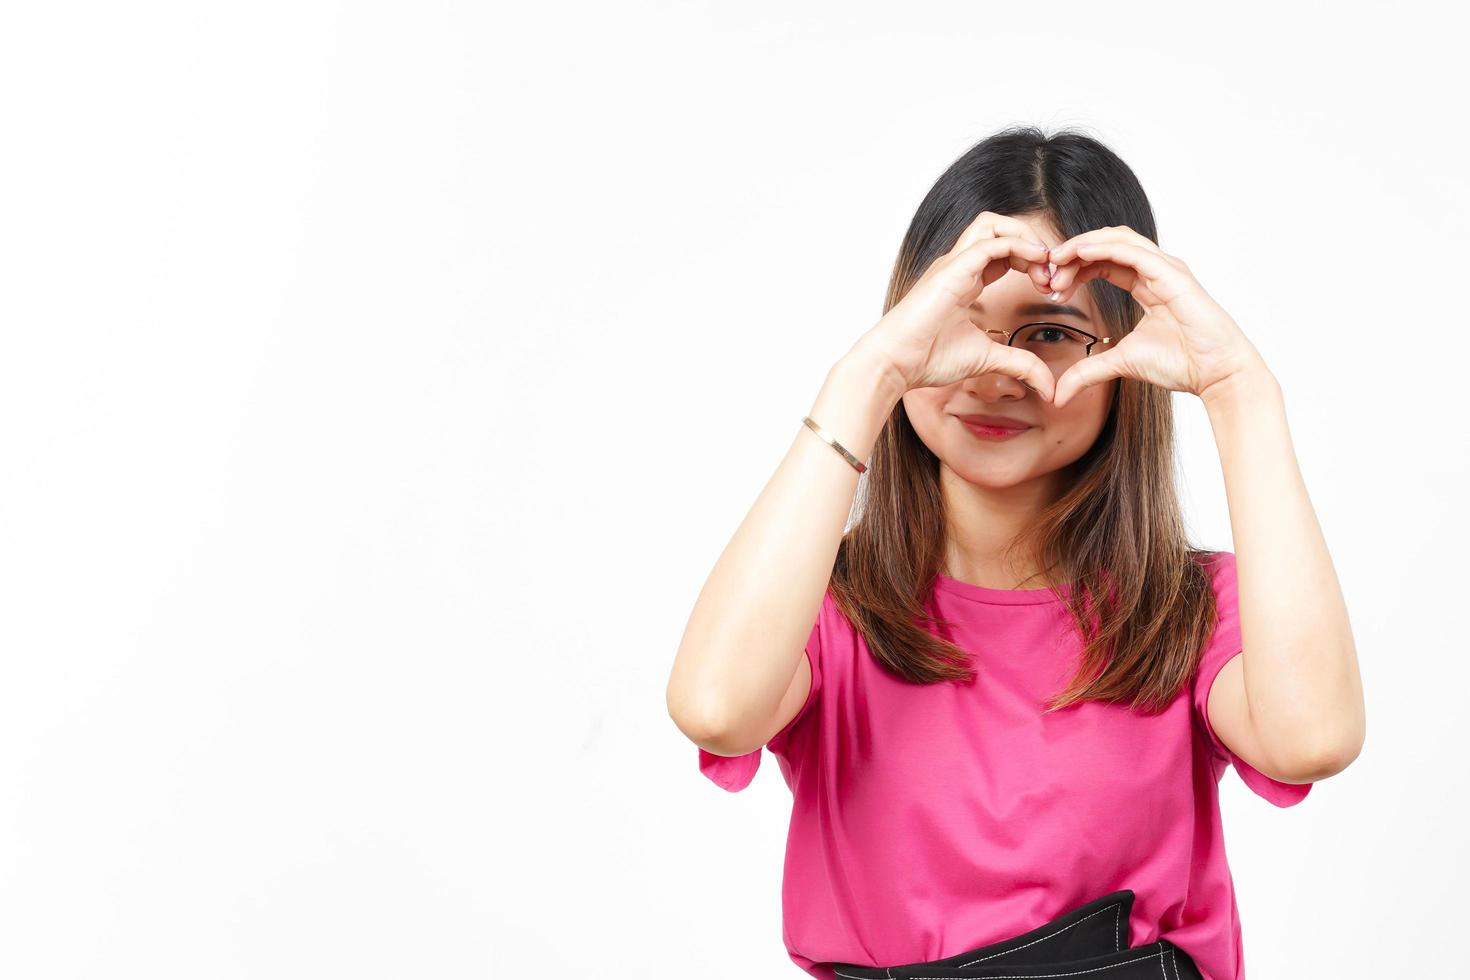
(993, 422)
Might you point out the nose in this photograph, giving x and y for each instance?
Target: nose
(994, 386)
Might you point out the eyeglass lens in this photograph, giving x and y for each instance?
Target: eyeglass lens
(1058, 346)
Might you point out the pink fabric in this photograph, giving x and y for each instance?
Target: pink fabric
(930, 819)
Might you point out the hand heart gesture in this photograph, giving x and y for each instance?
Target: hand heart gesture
(928, 338)
(1185, 340)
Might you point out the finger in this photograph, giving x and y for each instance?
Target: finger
(1121, 276)
(1091, 370)
(1066, 251)
(982, 226)
(965, 275)
(1041, 275)
(997, 269)
(1155, 269)
(1024, 366)
(1075, 273)
(974, 259)
(988, 224)
(1035, 271)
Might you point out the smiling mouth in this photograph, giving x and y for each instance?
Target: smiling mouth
(995, 431)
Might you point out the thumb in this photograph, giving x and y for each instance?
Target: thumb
(1018, 363)
(1091, 370)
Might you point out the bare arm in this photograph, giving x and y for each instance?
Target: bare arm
(1291, 704)
(740, 675)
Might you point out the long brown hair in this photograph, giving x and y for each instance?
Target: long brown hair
(1139, 596)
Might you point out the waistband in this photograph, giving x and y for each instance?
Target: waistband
(1090, 939)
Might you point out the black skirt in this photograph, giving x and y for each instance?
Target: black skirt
(1090, 941)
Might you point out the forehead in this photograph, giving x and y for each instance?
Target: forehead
(1050, 233)
(1014, 295)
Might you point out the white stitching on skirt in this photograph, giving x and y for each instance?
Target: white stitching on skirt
(1071, 973)
(1115, 906)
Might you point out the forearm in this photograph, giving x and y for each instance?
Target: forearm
(1300, 664)
(745, 636)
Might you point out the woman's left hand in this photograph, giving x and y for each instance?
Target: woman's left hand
(1185, 340)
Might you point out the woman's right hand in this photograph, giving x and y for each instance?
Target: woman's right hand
(929, 337)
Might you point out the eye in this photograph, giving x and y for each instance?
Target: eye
(1049, 333)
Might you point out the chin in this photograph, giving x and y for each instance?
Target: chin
(991, 477)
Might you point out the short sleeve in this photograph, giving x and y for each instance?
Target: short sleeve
(734, 773)
(1224, 644)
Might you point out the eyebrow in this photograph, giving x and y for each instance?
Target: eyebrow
(1044, 309)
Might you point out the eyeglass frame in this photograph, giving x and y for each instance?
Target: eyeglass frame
(1049, 323)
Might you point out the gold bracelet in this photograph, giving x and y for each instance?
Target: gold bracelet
(856, 463)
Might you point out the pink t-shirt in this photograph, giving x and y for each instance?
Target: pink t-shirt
(929, 819)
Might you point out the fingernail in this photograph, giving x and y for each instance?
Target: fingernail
(1051, 269)
(1054, 296)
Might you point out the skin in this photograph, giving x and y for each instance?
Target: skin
(992, 489)
(1290, 704)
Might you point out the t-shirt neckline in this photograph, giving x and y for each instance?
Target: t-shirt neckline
(1002, 597)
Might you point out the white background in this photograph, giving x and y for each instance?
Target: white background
(381, 381)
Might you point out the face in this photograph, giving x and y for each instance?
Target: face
(1031, 460)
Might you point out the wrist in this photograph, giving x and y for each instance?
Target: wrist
(1247, 386)
(870, 367)
(856, 400)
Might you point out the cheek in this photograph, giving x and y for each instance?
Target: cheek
(921, 405)
(1083, 418)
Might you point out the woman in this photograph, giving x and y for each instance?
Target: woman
(1020, 683)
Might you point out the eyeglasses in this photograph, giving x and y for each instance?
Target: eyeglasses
(1058, 345)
